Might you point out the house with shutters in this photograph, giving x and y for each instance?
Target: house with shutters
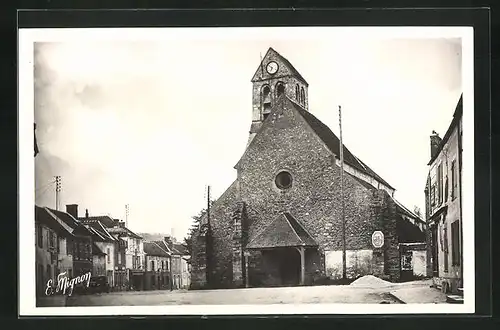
(157, 266)
(129, 268)
(443, 199)
(279, 223)
(53, 253)
(108, 245)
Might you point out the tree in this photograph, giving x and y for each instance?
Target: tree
(188, 240)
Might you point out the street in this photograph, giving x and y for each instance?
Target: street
(281, 295)
(288, 295)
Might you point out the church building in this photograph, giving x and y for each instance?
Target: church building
(280, 222)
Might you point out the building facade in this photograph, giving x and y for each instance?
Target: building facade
(443, 196)
(129, 256)
(108, 244)
(52, 254)
(98, 261)
(279, 223)
(157, 266)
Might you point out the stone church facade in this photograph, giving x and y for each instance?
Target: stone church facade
(279, 222)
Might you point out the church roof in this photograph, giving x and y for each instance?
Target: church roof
(333, 143)
(285, 61)
(284, 231)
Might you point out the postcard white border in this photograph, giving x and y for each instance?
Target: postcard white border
(27, 37)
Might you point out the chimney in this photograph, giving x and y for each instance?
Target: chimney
(435, 141)
(86, 213)
(73, 210)
(168, 240)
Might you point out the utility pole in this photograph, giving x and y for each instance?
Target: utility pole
(58, 190)
(344, 262)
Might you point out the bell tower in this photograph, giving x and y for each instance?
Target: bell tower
(275, 77)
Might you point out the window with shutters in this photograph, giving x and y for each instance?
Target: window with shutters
(440, 184)
(455, 243)
(445, 246)
(453, 180)
(40, 236)
(52, 244)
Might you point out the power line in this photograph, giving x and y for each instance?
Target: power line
(43, 192)
(46, 185)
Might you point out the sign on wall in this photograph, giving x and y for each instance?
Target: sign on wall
(377, 239)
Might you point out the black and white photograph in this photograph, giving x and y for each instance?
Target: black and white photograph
(256, 170)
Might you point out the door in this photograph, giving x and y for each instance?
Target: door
(289, 266)
(435, 261)
(406, 265)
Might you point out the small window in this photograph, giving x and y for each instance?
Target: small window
(280, 89)
(108, 255)
(297, 93)
(283, 180)
(302, 96)
(152, 265)
(266, 90)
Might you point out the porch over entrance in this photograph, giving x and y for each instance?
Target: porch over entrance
(282, 245)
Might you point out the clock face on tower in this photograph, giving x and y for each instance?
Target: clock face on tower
(272, 67)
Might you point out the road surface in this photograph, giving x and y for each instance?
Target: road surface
(283, 295)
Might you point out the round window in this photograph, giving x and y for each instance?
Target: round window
(283, 180)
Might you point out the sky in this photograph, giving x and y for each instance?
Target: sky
(151, 123)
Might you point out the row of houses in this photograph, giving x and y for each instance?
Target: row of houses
(103, 246)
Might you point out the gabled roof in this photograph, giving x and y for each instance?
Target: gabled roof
(106, 220)
(97, 227)
(283, 60)
(326, 135)
(66, 217)
(124, 231)
(153, 249)
(179, 249)
(77, 228)
(333, 143)
(44, 216)
(284, 231)
(164, 246)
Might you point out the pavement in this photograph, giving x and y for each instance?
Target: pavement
(419, 295)
(396, 293)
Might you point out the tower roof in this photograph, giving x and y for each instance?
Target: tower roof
(277, 56)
